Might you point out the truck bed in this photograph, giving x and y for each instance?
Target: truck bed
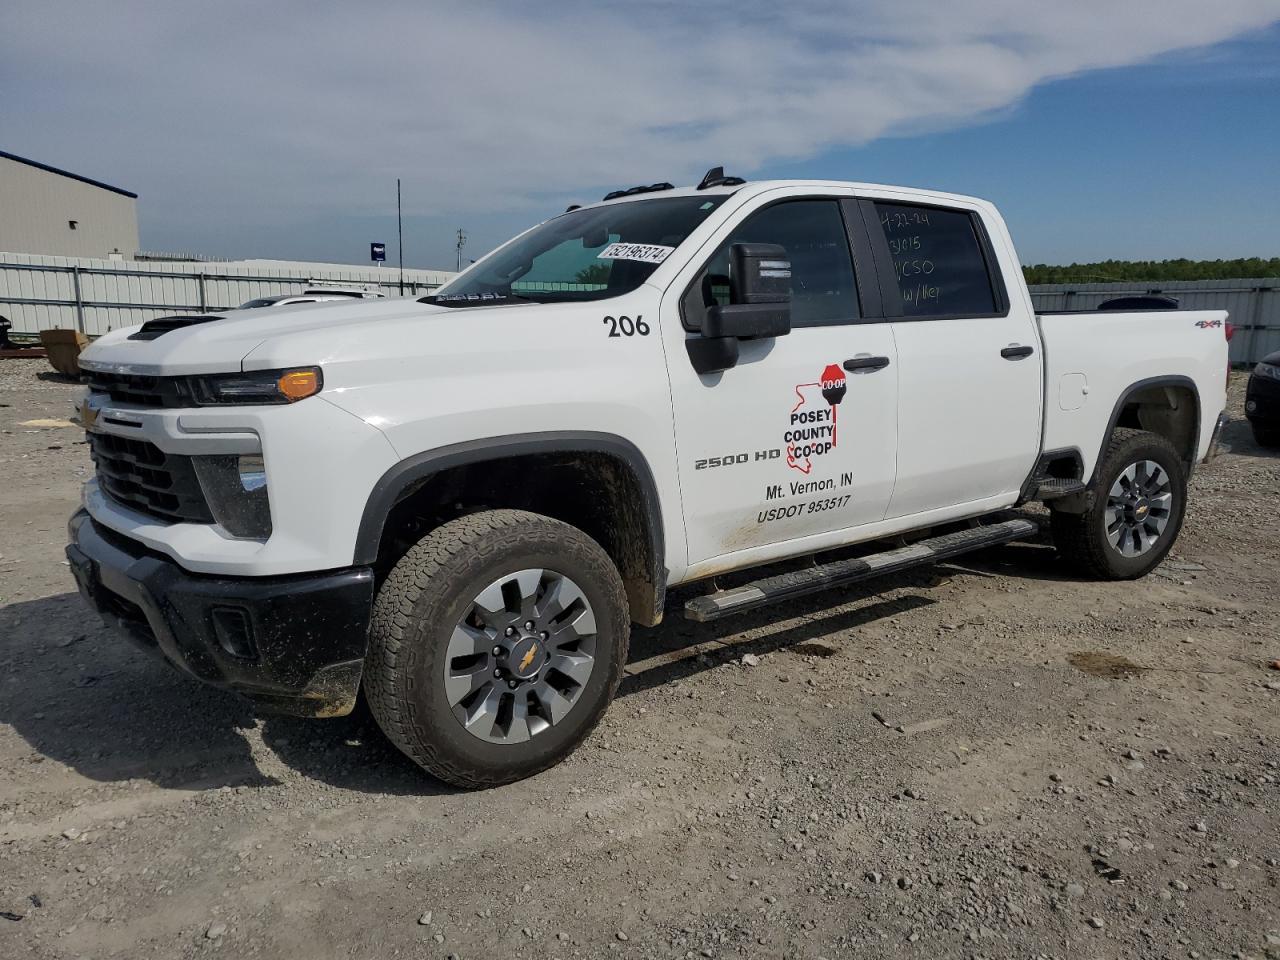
(1094, 360)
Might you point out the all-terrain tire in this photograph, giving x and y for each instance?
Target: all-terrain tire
(1265, 436)
(422, 601)
(1081, 538)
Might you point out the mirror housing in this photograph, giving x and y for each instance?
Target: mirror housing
(759, 306)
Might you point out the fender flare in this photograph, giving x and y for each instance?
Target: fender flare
(392, 485)
(1169, 380)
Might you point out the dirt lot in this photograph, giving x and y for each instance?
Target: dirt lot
(1026, 795)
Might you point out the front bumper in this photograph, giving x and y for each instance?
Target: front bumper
(295, 644)
(1262, 400)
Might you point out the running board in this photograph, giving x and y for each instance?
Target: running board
(787, 586)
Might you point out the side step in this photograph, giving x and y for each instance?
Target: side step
(1052, 489)
(786, 586)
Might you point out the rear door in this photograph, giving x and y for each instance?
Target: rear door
(795, 442)
(969, 365)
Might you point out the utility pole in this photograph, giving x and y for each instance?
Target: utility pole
(462, 242)
(400, 236)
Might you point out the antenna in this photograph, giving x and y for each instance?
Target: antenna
(462, 242)
(400, 236)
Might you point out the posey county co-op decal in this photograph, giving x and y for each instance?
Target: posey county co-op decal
(811, 434)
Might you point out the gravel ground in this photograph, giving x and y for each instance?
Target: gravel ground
(989, 759)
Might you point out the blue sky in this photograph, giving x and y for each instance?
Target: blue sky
(1179, 158)
(1146, 129)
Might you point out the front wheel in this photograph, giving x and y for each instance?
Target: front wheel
(496, 645)
(1139, 498)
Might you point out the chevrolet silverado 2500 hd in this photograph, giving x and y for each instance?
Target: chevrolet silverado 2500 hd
(458, 505)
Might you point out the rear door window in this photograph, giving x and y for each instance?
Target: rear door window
(938, 261)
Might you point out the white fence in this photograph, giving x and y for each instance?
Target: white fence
(1253, 305)
(94, 296)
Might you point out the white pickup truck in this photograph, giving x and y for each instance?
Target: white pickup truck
(458, 505)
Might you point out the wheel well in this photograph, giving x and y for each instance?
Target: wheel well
(596, 492)
(1172, 411)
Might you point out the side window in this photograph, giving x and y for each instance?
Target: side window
(823, 290)
(938, 260)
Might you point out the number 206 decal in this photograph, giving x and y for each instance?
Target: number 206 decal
(626, 327)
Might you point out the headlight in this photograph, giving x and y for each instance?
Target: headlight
(1269, 370)
(235, 487)
(261, 386)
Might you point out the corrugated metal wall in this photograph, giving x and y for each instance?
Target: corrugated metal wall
(1254, 305)
(41, 293)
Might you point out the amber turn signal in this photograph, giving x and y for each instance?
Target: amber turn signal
(299, 384)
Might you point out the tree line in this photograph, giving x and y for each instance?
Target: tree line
(1144, 270)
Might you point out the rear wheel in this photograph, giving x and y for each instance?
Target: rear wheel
(496, 645)
(1138, 500)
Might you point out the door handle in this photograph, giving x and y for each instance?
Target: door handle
(869, 364)
(1016, 352)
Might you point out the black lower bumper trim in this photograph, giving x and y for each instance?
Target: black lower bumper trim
(294, 644)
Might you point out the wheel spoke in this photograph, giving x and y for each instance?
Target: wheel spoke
(528, 583)
(554, 704)
(518, 730)
(467, 641)
(483, 715)
(1155, 479)
(560, 595)
(575, 666)
(459, 685)
(491, 607)
(1162, 503)
(577, 627)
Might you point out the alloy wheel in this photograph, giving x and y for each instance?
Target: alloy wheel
(520, 657)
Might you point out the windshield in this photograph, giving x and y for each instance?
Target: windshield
(582, 255)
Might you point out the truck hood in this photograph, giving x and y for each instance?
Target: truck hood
(221, 345)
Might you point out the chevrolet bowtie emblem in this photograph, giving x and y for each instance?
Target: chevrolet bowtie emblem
(528, 658)
(88, 413)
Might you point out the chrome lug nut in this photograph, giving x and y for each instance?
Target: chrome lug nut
(497, 651)
(512, 684)
(528, 625)
(511, 631)
(545, 635)
(497, 673)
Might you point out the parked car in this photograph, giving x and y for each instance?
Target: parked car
(459, 504)
(313, 295)
(1262, 401)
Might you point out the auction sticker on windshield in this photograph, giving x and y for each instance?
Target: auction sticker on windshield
(642, 252)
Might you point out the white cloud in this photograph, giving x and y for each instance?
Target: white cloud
(252, 111)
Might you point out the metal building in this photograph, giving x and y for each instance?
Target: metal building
(44, 210)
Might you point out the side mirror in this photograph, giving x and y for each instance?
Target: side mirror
(759, 294)
(759, 306)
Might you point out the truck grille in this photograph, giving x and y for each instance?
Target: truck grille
(139, 475)
(138, 390)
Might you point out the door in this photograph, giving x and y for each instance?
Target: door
(797, 440)
(969, 368)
